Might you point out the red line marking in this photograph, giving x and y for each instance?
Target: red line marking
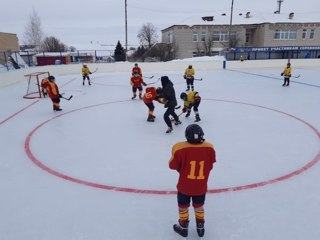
(15, 114)
(28, 151)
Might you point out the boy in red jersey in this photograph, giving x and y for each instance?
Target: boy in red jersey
(151, 94)
(136, 82)
(137, 69)
(193, 160)
(53, 92)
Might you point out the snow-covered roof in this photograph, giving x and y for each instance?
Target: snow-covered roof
(53, 54)
(245, 18)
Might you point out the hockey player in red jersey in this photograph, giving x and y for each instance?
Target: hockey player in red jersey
(136, 82)
(53, 92)
(193, 160)
(151, 94)
(137, 69)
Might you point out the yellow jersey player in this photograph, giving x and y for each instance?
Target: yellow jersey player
(191, 100)
(286, 75)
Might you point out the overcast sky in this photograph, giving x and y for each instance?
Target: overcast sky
(78, 22)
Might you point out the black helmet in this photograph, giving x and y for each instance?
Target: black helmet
(190, 66)
(159, 90)
(51, 78)
(194, 134)
(184, 96)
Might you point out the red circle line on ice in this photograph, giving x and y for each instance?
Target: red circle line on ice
(302, 169)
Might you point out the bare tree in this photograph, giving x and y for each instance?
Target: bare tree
(33, 34)
(148, 35)
(207, 45)
(52, 44)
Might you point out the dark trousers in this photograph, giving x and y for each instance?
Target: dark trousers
(286, 81)
(170, 111)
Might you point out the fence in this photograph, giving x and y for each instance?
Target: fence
(15, 60)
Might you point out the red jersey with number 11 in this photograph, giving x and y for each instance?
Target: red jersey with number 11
(194, 163)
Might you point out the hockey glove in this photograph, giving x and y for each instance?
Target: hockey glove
(184, 109)
(281, 74)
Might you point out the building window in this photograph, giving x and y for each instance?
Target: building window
(304, 33)
(223, 36)
(170, 37)
(312, 34)
(203, 36)
(195, 37)
(285, 34)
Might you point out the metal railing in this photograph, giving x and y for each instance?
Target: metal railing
(11, 60)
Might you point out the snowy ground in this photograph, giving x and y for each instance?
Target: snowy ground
(97, 170)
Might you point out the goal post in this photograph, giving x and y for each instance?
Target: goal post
(34, 89)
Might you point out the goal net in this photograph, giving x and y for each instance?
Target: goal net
(34, 89)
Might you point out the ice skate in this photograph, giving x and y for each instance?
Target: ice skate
(57, 109)
(200, 229)
(133, 97)
(150, 118)
(170, 129)
(197, 118)
(177, 122)
(188, 114)
(182, 230)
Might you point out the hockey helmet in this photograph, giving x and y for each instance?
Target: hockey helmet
(190, 66)
(288, 64)
(51, 78)
(184, 96)
(136, 64)
(194, 134)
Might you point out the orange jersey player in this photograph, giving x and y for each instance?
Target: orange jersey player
(136, 82)
(44, 83)
(137, 69)
(151, 94)
(53, 92)
(193, 160)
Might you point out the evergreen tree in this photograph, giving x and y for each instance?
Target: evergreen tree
(119, 53)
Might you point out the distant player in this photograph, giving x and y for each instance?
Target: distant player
(151, 94)
(193, 160)
(191, 100)
(136, 82)
(137, 69)
(286, 75)
(189, 76)
(85, 74)
(53, 92)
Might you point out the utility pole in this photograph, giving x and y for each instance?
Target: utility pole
(230, 26)
(126, 28)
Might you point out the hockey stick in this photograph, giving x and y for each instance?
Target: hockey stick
(172, 119)
(154, 82)
(198, 79)
(178, 107)
(95, 70)
(296, 76)
(148, 77)
(69, 98)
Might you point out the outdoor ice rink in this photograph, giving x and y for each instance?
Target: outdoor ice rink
(98, 170)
